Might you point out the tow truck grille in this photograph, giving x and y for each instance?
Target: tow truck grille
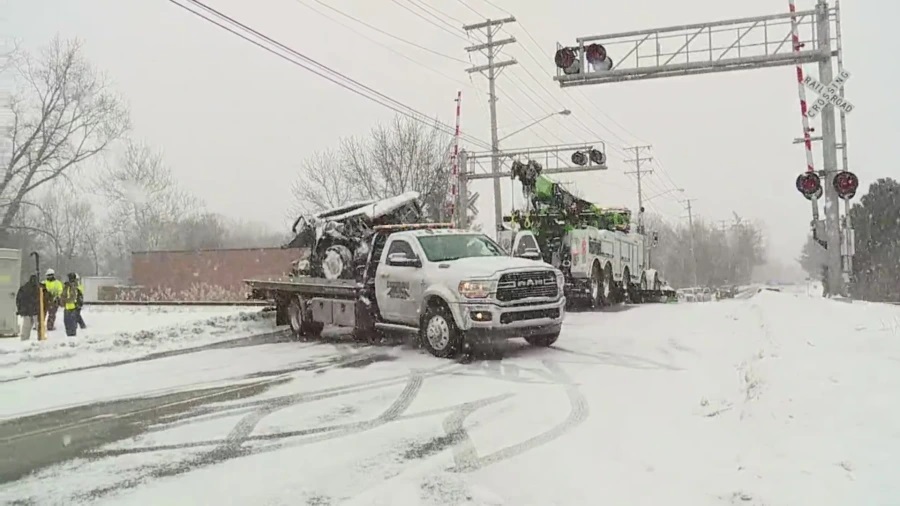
(523, 285)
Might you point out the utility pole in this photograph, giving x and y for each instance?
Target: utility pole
(829, 159)
(493, 68)
(637, 171)
(691, 225)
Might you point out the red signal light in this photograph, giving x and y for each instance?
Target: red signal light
(595, 53)
(597, 157)
(564, 58)
(597, 57)
(845, 184)
(579, 158)
(809, 185)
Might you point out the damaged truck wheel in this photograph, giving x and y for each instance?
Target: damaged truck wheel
(337, 262)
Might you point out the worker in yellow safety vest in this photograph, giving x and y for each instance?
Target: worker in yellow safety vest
(53, 288)
(78, 318)
(70, 299)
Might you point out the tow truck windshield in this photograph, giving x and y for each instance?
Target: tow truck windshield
(445, 248)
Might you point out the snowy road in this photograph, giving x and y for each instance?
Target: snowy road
(735, 402)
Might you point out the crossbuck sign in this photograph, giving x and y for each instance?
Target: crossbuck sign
(828, 94)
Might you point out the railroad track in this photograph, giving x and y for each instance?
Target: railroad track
(240, 303)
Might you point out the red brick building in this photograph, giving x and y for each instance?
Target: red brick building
(208, 274)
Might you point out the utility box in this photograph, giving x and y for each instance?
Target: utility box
(10, 273)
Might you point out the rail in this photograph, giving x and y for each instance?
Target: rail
(243, 303)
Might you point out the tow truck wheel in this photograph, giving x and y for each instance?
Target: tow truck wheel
(301, 325)
(543, 340)
(438, 332)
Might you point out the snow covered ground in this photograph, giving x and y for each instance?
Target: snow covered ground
(118, 333)
(776, 399)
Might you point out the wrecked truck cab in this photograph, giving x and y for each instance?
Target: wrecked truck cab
(338, 239)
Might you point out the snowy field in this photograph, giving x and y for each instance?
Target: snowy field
(119, 333)
(774, 399)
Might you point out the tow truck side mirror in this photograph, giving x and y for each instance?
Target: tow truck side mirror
(401, 260)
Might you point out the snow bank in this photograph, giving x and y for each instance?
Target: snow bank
(125, 333)
(776, 399)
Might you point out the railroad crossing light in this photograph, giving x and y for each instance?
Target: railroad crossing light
(579, 158)
(809, 185)
(593, 156)
(846, 183)
(567, 60)
(597, 58)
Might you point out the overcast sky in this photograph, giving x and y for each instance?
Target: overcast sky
(235, 122)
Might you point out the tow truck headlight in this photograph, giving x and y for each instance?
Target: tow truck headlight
(475, 289)
(560, 280)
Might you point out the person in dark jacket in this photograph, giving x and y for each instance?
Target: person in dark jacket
(27, 306)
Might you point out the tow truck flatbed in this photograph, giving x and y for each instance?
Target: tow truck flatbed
(305, 285)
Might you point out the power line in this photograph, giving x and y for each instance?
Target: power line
(375, 41)
(336, 76)
(432, 23)
(424, 5)
(492, 4)
(467, 6)
(386, 33)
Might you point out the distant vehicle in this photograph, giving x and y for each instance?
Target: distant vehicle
(695, 294)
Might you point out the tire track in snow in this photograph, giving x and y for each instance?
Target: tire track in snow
(233, 445)
(465, 455)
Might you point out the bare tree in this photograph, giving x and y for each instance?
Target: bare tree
(402, 156)
(65, 218)
(724, 255)
(62, 116)
(145, 202)
(322, 183)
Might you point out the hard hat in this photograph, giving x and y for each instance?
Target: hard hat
(51, 272)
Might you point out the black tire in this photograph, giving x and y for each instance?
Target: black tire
(337, 262)
(299, 320)
(438, 332)
(627, 291)
(543, 340)
(608, 295)
(596, 297)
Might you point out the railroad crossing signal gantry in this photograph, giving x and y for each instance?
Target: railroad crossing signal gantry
(725, 46)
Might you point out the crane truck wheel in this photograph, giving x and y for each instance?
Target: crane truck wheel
(608, 295)
(596, 287)
(629, 294)
(438, 332)
(298, 318)
(542, 340)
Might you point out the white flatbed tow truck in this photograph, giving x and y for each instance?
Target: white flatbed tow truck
(447, 286)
